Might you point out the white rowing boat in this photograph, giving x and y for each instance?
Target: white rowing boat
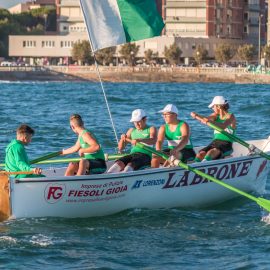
(106, 194)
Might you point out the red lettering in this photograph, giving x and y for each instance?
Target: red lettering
(54, 194)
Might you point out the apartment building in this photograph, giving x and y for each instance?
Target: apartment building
(34, 4)
(189, 23)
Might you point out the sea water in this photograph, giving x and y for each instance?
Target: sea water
(229, 236)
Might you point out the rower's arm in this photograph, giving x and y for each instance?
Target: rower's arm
(153, 137)
(185, 137)
(204, 119)
(73, 149)
(122, 143)
(160, 138)
(229, 121)
(89, 139)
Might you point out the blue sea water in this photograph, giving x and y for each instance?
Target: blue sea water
(230, 236)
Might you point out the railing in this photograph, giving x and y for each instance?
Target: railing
(91, 69)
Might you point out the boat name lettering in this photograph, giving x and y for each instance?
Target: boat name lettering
(146, 183)
(225, 172)
(96, 193)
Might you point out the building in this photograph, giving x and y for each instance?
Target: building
(188, 24)
(24, 7)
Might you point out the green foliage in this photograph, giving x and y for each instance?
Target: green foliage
(266, 52)
(105, 56)
(200, 54)
(81, 52)
(224, 52)
(31, 22)
(129, 52)
(150, 56)
(172, 54)
(246, 52)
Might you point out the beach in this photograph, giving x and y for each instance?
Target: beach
(133, 74)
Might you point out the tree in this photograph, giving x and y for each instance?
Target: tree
(150, 56)
(246, 52)
(81, 52)
(129, 52)
(224, 52)
(200, 54)
(172, 54)
(105, 56)
(266, 53)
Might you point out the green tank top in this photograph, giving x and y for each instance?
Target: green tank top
(174, 137)
(96, 155)
(229, 129)
(140, 134)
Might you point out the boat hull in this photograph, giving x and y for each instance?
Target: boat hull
(106, 194)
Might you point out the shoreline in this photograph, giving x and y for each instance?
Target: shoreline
(134, 74)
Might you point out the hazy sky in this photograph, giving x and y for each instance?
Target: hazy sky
(9, 3)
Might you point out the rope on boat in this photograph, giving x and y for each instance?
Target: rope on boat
(99, 76)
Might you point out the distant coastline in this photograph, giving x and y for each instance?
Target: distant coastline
(133, 74)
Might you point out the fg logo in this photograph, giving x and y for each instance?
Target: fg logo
(54, 192)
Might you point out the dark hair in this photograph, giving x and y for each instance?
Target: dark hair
(226, 106)
(25, 130)
(76, 120)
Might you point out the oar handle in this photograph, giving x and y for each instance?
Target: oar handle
(48, 156)
(16, 173)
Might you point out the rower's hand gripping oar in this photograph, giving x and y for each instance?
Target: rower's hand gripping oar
(251, 147)
(260, 201)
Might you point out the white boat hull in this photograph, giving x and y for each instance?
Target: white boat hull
(105, 194)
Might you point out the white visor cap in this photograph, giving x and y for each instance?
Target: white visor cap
(217, 100)
(137, 115)
(170, 108)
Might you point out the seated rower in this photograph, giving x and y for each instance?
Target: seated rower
(87, 146)
(138, 158)
(177, 133)
(221, 145)
(16, 159)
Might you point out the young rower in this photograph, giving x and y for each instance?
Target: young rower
(221, 145)
(177, 133)
(138, 158)
(16, 157)
(87, 146)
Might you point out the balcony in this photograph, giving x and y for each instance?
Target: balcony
(179, 19)
(69, 3)
(185, 4)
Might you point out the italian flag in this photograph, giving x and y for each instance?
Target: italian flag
(113, 22)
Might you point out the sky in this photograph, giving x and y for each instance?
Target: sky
(9, 3)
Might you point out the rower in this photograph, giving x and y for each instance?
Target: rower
(88, 147)
(177, 133)
(138, 157)
(221, 146)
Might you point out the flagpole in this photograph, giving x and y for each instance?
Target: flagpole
(99, 76)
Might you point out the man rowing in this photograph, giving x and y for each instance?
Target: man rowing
(138, 157)
(221, 145)
(88, 147)
(16, 159)
(177, 134)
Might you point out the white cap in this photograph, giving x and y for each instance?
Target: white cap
(137, 115)
(169, 108)
(218, 100)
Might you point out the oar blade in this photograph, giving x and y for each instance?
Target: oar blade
(264, 203)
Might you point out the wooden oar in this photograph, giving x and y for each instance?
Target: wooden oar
(15, 173)
(260, 201)
(66, 160)
(251, 147)
(48, 156)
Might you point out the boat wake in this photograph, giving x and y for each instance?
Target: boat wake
(266, 219)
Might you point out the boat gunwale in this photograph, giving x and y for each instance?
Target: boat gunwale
(134, 173)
